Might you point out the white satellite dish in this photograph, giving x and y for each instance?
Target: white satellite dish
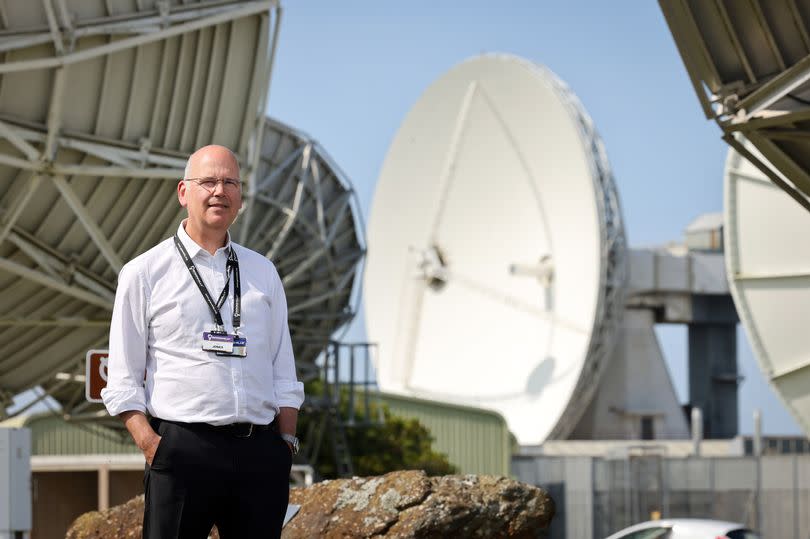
(496, 249)
(769, 277)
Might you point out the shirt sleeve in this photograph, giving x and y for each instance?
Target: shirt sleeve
(289, 391)
(126, 363)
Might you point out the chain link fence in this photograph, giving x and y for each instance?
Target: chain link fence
(596, 497)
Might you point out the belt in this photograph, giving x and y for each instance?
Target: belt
(237, 430)
(240, 430)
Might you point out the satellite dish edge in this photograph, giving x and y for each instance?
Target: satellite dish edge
(768, 279)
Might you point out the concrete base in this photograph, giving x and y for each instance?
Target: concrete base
(635, 399)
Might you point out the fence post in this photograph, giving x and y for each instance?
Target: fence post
(351, 384)
(796, 496)
(593, 497)
(712, 485)
(758, 506)
(665, 473)
(629, 506)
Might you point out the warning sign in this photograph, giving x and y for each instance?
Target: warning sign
(96, 374)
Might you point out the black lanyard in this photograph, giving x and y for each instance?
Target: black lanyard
(232, 266)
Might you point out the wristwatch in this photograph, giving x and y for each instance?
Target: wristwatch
(293, 441)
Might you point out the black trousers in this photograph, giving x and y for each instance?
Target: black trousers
(202, 476)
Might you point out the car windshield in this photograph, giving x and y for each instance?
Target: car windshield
(649, 533)
(742, 533)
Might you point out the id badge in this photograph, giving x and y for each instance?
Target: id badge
(239, 347)
(214, 341)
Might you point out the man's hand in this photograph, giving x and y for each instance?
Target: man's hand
(286, 419)
(142, 433)
(150, 448)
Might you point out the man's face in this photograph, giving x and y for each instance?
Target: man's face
(217, 208)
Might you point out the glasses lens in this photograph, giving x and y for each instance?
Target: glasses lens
(210, 184)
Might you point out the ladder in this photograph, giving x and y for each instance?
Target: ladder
(340, 445)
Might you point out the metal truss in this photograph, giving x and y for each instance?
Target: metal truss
(299, 208)
(146, 30)
(80, 286)
(304, 215)
(745, 67)
(39, 149)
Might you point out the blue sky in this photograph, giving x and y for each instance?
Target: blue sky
(348, 72)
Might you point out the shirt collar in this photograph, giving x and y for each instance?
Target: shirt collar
(193, 247)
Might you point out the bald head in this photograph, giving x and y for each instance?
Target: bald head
(203, 157)
(212, 203)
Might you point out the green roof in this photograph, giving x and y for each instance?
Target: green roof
(474, 439)
(52, 435)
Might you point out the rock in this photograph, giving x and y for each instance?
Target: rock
(123, 521)
(410, 504)
(398, 504)
(119, 522)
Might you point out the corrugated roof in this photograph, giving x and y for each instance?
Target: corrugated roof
(52, 435)
(475, 440)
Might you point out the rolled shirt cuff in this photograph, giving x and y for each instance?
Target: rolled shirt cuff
(289, 394)
(118, 401)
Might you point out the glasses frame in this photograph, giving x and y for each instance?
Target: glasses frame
(235, 185)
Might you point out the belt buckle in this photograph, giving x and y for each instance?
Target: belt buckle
(249, 432)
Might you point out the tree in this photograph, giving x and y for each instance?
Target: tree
(379, 442)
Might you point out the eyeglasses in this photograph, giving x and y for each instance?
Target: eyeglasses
(210, 184)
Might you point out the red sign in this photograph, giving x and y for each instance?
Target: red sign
(95, 374)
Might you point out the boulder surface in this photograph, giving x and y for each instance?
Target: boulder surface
(398, 504)
(411, 504)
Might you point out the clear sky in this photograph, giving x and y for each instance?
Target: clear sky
(348, 72)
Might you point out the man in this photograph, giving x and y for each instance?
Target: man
(206, 320)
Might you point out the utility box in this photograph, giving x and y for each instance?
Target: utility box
(15, 483)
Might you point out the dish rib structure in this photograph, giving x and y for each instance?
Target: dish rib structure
(100, 105)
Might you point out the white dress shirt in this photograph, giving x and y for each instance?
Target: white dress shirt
(157, 325)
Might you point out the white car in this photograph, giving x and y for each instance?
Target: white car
(686, 528)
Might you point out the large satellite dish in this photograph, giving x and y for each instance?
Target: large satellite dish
(769, 277)
(100, 104)
(303, 214)
(496, 249)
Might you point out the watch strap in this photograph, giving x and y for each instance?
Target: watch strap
(292, 440)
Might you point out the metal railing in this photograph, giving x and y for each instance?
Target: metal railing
(347, 370)
(345, 398)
